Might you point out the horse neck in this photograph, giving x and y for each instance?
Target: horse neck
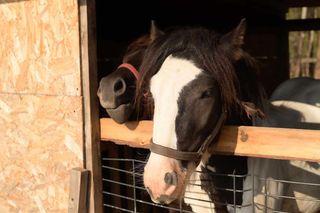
(201, 194)
(214, 164)
(204, 183)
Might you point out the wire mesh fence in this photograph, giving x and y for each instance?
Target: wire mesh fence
(124, 191)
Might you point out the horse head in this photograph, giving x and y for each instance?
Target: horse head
(193, 76)
(117, 90)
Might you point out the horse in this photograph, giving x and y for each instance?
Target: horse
(285, 196)
(201, 80)
(302, 89)
(116, 91)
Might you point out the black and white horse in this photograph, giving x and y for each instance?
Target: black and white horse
(201, 80)
(304, 90)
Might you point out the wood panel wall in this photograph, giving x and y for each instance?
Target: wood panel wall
(41, 122)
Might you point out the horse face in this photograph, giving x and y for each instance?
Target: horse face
(116, 90)
(187, 105)
(116, 93)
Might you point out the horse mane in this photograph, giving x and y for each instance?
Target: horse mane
(135, 50)
(236, 78)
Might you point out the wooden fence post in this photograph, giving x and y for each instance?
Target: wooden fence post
(78, 191)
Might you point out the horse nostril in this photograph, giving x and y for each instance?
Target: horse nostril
(171, 178)
(119, 86)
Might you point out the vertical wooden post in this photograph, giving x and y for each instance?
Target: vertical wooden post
(90, 103)
(317, 69)
(78, 191)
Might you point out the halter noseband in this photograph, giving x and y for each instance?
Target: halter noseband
(188, 156)
(131, 68)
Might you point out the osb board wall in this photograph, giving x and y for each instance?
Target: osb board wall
(39, 145)
(39, 47)
(41, 122)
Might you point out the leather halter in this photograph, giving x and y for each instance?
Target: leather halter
(131, 68)
(189, 156)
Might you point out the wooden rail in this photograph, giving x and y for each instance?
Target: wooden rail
(276, 143)
(302, 3)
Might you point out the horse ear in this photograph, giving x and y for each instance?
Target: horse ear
(234, 40)
(154, 31)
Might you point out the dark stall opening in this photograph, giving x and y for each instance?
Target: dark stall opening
(119, 23)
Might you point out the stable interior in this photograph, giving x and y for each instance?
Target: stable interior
(120, 23)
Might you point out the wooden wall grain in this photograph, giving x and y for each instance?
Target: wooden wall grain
(39, 47)
(41, 122)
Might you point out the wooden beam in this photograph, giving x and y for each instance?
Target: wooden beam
(92, 159)
(266, 142)
(303, 24)
(78, 189)
(276, 143)
(302, 3)
(134, 134)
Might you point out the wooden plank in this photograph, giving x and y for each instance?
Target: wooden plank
(90, 102)
(303, 24)
(78, 189)
(276, 143)
(266, 142)
(302, 3)
(267, 26)
(134, 134)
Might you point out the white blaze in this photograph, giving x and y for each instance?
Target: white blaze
(166, 85)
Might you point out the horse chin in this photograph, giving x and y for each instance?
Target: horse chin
(166, 201)
(120, 114)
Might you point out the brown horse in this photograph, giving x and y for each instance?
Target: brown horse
(117, 90)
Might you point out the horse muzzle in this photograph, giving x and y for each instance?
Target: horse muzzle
(164, 179)
(162, 199)
(120, 114)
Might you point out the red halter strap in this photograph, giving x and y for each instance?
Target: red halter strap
(130, 68)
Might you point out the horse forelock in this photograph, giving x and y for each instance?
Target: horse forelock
(136, 49)
(204, 48)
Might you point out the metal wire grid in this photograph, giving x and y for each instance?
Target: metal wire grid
(133, 182)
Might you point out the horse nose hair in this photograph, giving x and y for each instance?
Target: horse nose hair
(148, 190)
(171, 178)
(119, 87)
(99, 91)
(163, 199)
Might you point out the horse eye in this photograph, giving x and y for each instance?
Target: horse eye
(207, 94)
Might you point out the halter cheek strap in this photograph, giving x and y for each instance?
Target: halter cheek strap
(130, 68)
(173, 153)
(189, 156)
